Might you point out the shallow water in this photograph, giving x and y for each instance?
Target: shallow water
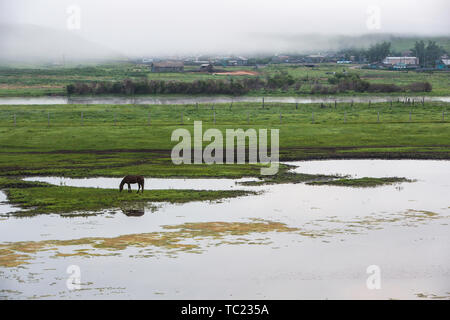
(360, 227)
(150, 183)
(193, 100)
(5, 207)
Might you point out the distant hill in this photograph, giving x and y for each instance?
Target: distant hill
(29, 43)
(312, 43)
(406, 43)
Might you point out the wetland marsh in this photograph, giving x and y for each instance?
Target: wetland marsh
(312, 241)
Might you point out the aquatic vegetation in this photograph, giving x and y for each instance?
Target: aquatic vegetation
(195, 237)
(446, 296)
(172, 241)
(361, 182)
(285, 176)
(360, 225)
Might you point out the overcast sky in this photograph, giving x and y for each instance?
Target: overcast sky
(180, 26)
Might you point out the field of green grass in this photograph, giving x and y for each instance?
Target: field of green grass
(42, 81)
(114, 140)
(117, 140)
(440, 81)
(45, 198)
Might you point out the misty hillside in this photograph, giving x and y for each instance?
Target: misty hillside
(310, 43)
(29, 43)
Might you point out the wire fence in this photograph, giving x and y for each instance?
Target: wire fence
(265, 114)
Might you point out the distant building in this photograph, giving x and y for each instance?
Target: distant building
(401, 61)
(280, 59)
(315, 58)
(208, 67)
(241, 61)
(443, 64)
(147, 60)
(199, 62)
(232, 61)
(168, 66)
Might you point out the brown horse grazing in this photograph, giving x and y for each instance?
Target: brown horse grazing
(132, 180)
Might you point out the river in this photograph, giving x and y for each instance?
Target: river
(57, 100)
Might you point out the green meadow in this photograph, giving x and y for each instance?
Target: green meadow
(117, 140)
(114, 140)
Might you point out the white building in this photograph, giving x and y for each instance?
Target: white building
(401, 60)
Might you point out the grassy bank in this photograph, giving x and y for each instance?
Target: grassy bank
(36, 198)
(361, 182)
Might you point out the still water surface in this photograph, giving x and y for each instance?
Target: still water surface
(205, 99)
(360, 227)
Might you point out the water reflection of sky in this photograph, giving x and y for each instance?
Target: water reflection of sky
(414, 257)
(293, 204)
(192, 100)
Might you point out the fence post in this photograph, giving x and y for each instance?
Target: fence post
(410, 116)
(378, 116)
(313, 117)
(335, 104)
(263, 102)
(196, 105)
(370, 103)
(423, 101)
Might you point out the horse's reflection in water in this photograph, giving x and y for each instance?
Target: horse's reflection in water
(136, 210)
(133, 212)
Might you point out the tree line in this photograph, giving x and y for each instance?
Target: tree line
(339, 83)
(428, 53)
(231, 86)
(344, 82)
